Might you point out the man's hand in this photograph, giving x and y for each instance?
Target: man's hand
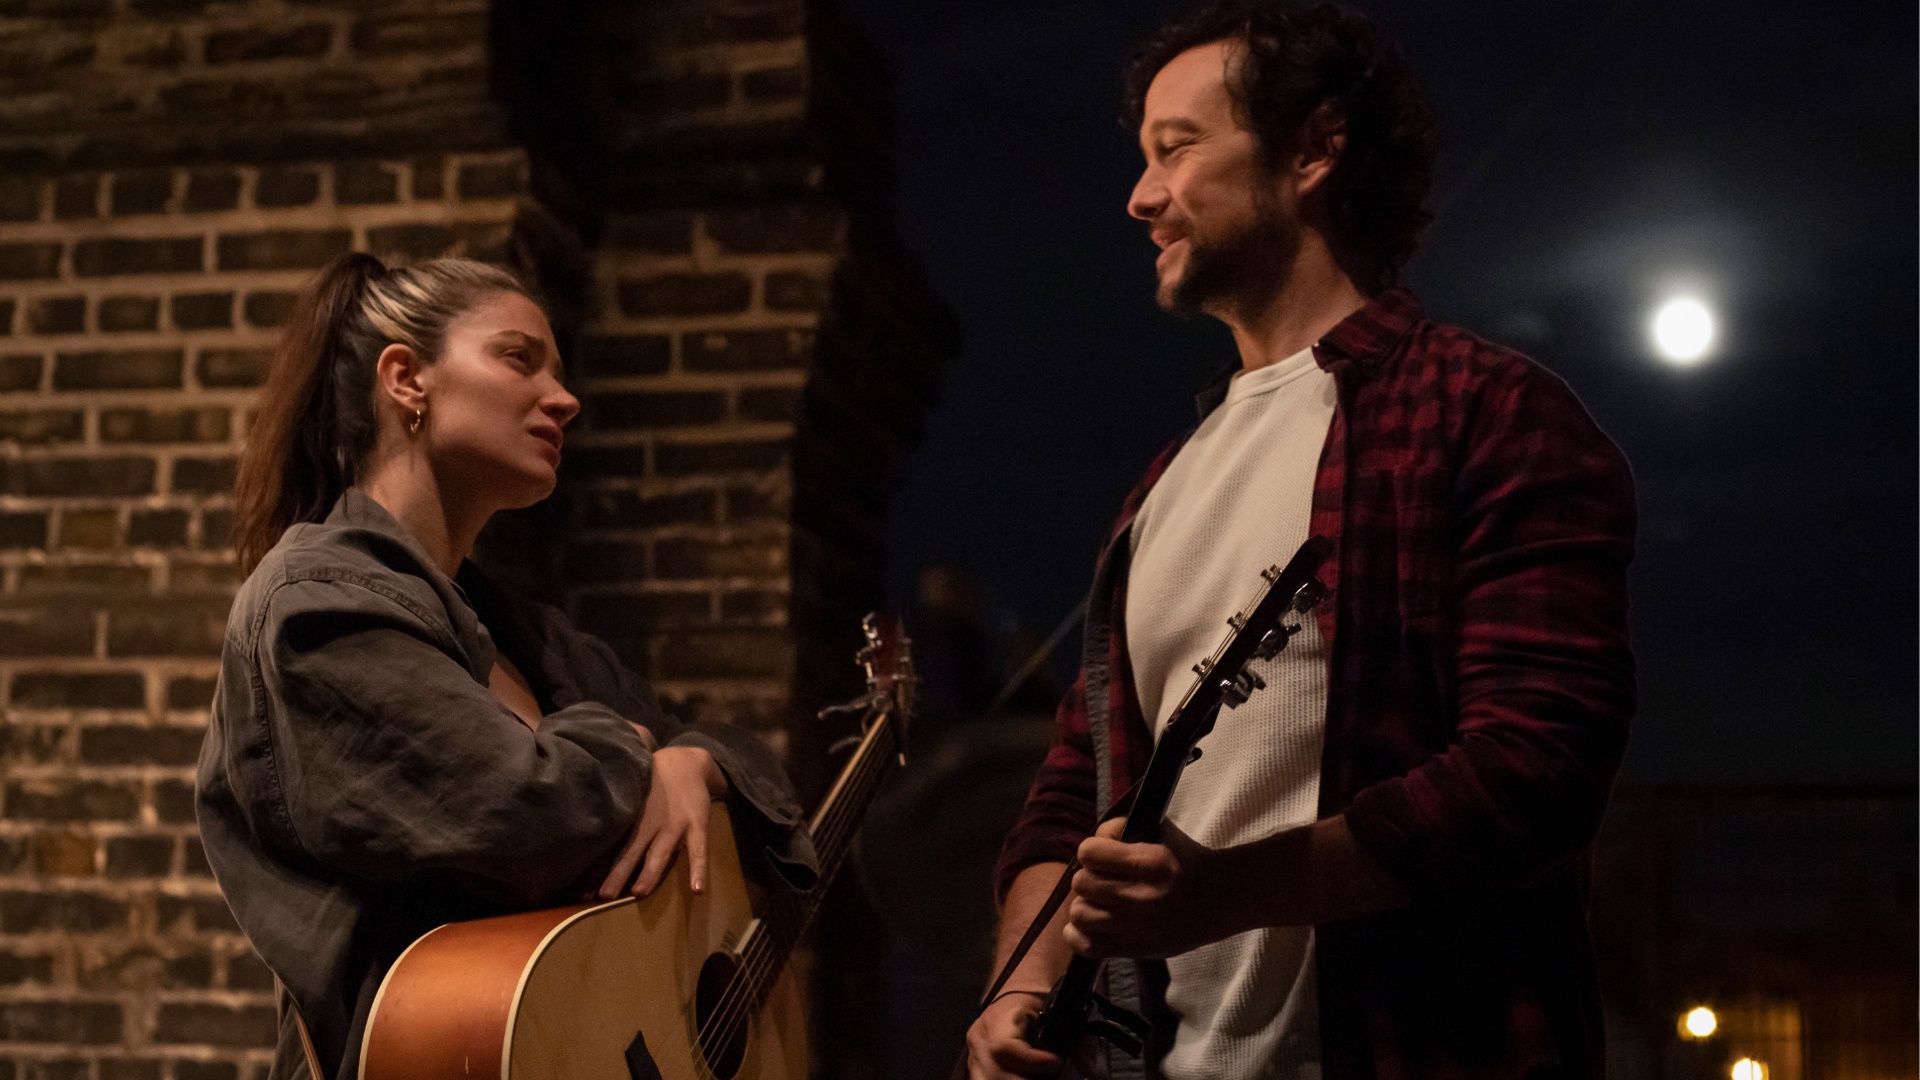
(997, 1047)
(685, 782)
(1147, 900)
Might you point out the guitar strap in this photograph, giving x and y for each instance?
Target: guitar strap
(300, 1025)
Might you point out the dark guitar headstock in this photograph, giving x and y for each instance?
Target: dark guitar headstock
(887, 659)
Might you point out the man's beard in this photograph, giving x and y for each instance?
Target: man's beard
(1245, 269)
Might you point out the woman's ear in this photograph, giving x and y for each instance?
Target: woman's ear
(399, 373)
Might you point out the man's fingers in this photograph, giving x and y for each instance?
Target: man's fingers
(1138, 862)
(1111, 828)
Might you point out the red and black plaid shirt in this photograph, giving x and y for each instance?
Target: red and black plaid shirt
(1480, 684)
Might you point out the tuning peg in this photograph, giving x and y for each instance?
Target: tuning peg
(1236, 691)
(1271, 573)
(1273, 641)
(1203, 667)
(1309, 595)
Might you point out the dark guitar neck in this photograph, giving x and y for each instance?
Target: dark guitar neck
(1073, 1011)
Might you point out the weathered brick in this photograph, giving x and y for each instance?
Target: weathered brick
(20, 371)
(157, 528)
(680, 93)
(13, 853)
(74, 800)
(142, 191)
(139, 856)
(193, 859)
(774, 84)
(655, 409)
(746, 350)
(194, 969)
(286, 186)
(173, 803)
(633, 354)
(202, 311)
(203, 476)
(28, 262)
(357, 183)
(17, 968)
(665, 233)
(169, 8)
(34, 744)
(62, 854)
(41, 426)
(190, 914)
(793, 290)
(231, 46)
(89, 529)
(216, 1025)
(189, 693)
(429, 178)
(216, 530)
(79, 690)
(631, 510)
(40, 632)
(740, 25)
(769, 404)
(270, 309)
(57, 315)
(392, 34)
(156, 48)
(119, 369)
(20, 198)
(84, 578)
(706, 557)
(124, 313)
(122, 744)
(123, 255)
(103, 477)
(76, 197)
(282, 249)
(625, 615)
(163, 425)
(232, 367)
(491, 180)
(753, 605)
(413, 241)
(210, 579)
(179, 628)
(23, 529)
(6, 317)
(608, 461)
(206, 1070)
(487, 241)
(683, 459)
(684, 294)
(212, 189)
(129, 1068)
(88, 1023)
(758, 230)
(726, 654)
(246, 972)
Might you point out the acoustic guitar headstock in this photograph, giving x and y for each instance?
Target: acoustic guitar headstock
(887, 659)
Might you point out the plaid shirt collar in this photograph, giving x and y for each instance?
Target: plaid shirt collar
(1360, 343)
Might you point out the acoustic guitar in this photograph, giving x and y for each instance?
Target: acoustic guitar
(670, 986)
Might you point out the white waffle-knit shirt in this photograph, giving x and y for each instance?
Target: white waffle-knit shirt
(1236, 499)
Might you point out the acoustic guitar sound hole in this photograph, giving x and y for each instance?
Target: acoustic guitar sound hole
(723, 1037)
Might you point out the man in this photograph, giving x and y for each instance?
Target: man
(1376, 869)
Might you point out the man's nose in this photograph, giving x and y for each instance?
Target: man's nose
(1149, 196)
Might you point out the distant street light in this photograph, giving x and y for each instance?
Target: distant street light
(1701, 1023)
(1749, 1069)
(1683, 331)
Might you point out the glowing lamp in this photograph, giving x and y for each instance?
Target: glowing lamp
(1749, 1069)
(1683, 331)
(1701, 1023)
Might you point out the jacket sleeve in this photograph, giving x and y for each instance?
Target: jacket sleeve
(754, 775)
(1059, 811)
(1543, 524)
(392, 759)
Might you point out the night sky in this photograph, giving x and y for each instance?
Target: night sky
(1760, 155)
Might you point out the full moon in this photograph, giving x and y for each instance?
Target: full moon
(1683, 331)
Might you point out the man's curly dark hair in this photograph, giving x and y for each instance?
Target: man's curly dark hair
(1292, 60)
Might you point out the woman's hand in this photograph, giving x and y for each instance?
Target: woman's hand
(685, 782)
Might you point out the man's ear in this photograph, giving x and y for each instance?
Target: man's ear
(398, 373)
(1322, 139)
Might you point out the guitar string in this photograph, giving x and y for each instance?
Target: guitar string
(739, 1001)
(741, 997)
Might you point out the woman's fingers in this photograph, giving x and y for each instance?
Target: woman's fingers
(660, 852)
(696, 841)
(623, 867)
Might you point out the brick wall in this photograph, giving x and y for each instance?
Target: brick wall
(701, 189)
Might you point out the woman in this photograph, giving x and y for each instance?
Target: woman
(396, 742)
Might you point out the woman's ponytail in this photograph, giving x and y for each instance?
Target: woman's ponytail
(293, 467)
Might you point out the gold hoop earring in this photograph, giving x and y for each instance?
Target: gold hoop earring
(419, 420)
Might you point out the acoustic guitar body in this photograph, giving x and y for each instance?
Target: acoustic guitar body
(591, 992)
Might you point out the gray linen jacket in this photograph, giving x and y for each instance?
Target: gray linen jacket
(360, 786)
